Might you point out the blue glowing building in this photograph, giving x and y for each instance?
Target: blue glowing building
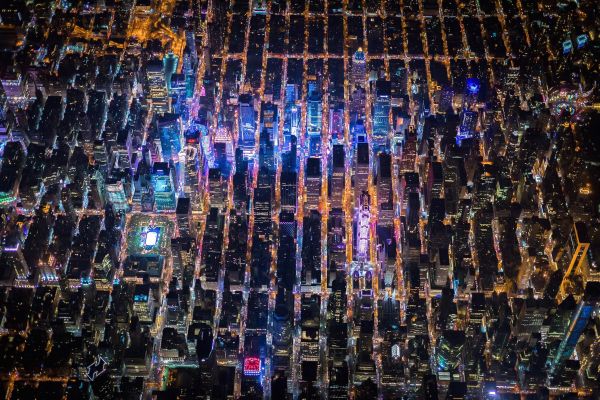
(247, 124)
(381, 111)
(358, 132)
(291, 124)
(467, 127)
(170, 134)
(164, 191)
(577, 324)
(314, 118)
(473, 86)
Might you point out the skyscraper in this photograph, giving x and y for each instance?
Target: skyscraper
(164, 191)
(361, 175)
(577, 324)
(157, 86)
(573, 254)
(313, 183)
(314, 119)
(247, 124)
(381, 112)
(359, 68)
(338, 171)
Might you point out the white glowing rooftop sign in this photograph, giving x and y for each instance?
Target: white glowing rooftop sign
(151, 238)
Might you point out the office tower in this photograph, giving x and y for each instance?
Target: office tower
(336, 241)
(408, 155)
(289, 192)
(31, 184)
(314, 118)
(485, 186)
(409, 183)
(381, 112)
(312, 183)
(282, 329)
(224, 137)
(13, 161)
(476, 312)
(449, 355)
(192, 171)
(413, 212)
(247, 124)
(115, 195)
(311, 249)
(467, 127)
(169, 128)
(358, 132)
(14, 260)
(531, 316)
(164, 190)
(291, 93)
(262, 211)
(291, 124)
(573, 255)
(441, 268)
(435, 182)
(338, 302)
(309, 339)
(183, 214)
(361, 171)
(157, 86)
(359, 68)
(385, 197)
(336, 122)
(577, 323)
(266, 156)
(269, 121)
(15, 86)
(216, 188)
(338, 172)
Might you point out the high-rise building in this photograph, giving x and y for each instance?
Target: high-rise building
(157, 86)
(338, 172)
(263, 211)
(408, 155)
(577, 323)
(313, 183)
(449, 356)
(573, 254)
(247, 124)
(381, 112)
(336, 122)
(435, 182)
(467, 127)
(15, 87)
(170, 133)
(359, 68)
(269, 121)
(361, 171)
(289, 192)
(314, 118)
(13, 161)
(384, 190)
(216, 189)
(115, 195)
(164, 190)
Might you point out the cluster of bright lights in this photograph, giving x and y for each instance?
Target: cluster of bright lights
(252, 366)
